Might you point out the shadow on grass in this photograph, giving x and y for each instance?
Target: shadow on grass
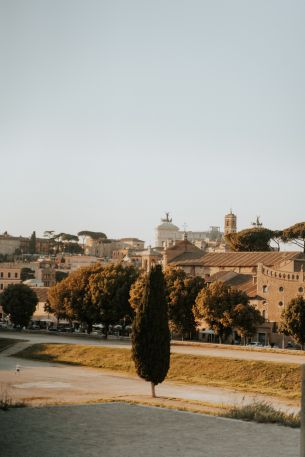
(36, 352)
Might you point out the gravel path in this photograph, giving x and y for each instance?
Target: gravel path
(115, 429)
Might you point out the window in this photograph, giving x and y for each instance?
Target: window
(281, 289)
(280, 303)
(1, 274)
(301, 290)
(9, 275)
(265, 288)
(16, 275)
(1, 286)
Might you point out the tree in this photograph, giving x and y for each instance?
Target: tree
(224, 308)
(49, 235)
(254, 239)
(19, 301)
(150, 331)
(181, 292)
(78, 302)
(137, 291)
(245, 320)
(27, 273)
(110, 290)
(56, 302)
(93, 235)
(293, 320)
(295, 234)
(32, 243)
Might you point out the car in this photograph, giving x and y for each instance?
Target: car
(255, 344)
(3, 325)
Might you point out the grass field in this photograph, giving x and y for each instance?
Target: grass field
(269, 378)
(7, 342)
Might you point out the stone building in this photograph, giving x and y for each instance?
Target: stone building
(167, 234)
(270, 279)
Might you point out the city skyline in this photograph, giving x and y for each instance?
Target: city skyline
(113, 113)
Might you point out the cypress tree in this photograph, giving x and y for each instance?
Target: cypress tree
(150, 331)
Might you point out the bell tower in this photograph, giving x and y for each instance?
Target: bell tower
(230, 223)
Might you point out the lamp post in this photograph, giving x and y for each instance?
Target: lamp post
(302, 414)
(283, 338)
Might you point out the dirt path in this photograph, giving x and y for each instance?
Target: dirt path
(40, 383)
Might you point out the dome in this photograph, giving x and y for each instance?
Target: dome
(167, 226)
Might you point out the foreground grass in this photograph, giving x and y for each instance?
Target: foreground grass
(268, 378)
(263, 412)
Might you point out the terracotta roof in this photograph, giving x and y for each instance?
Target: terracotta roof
(242, 259)
(187, 256)
(42, 293)
(237, 281)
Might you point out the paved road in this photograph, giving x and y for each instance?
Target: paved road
(285, 357)
(116, 429)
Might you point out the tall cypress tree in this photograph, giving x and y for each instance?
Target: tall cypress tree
(150, 331)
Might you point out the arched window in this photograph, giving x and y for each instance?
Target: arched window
(281, 289)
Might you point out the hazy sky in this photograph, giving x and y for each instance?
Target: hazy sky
(112, 112)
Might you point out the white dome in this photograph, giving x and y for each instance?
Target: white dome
(168, 226)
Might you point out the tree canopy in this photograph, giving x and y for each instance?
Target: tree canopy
(109, 289)
(254, 239)
(93, 235)
(224, 308)
(295, 234)
(181, 293)
(150, 331)
(293, 320)
(19, 301)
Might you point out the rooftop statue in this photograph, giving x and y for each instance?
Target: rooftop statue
(167, 218)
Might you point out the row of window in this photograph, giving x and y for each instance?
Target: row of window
(281, 289)
(9, 275)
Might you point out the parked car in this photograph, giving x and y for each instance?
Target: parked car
(255, 344)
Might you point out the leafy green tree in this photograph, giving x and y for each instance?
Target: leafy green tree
(56, 302)
(224, 308)
(137, 291)
(32, 243)
(110, 290)
(293, 320)
(27, 273)
(93, 235)
(60, 275)
(245, 320)
(254, 239)
(78, 302)
(19, 302)
(295, 234)
(181, 292)
(49, 234)
(150, 331)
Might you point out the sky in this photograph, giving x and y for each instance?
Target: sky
(113, 112)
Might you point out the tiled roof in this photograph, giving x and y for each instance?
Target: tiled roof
(237, 281)
(42, 293)
(187, 256)
(242, 259)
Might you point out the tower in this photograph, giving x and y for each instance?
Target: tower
(230, 223)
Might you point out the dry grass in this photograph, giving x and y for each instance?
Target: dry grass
(263, 412)
(269, 378)
(6, 401)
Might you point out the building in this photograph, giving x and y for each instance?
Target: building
(270, 279)
(167, 234)
(230, 223)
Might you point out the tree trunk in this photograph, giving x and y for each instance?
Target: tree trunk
(153, 392)
(89, 327)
